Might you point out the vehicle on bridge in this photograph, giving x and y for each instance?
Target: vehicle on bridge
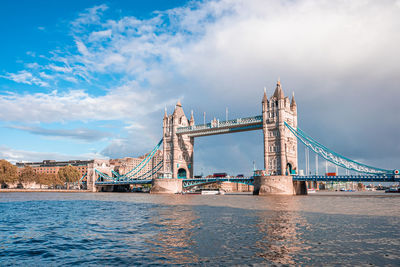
(220, 175)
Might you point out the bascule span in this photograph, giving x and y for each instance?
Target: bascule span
(169, 166)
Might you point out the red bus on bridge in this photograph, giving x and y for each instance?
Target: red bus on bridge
(220, 175)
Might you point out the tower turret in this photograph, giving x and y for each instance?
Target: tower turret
(178, 148)
(265, 129)
(165, 119)
(293, 106)
(280, 146)
(278, 94)
(191, 121)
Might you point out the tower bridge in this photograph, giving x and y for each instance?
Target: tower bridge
(280, 145)
(172, 170)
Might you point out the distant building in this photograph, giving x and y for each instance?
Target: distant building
(125, 165)
(52, 166)
(121, 166)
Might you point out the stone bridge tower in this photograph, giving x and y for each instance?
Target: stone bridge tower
(280, 145)
(178, 149)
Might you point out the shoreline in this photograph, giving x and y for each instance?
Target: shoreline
(7, 190)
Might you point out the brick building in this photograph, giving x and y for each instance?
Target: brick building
(52, 166)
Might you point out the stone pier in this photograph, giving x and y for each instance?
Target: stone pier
(299, 188)
(166, 186)
(278, 185)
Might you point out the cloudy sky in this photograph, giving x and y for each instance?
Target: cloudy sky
(90, 79)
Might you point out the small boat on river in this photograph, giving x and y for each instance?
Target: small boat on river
(212, 192)
(393, 190)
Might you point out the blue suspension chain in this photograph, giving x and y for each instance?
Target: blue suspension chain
(127, 176)
(145, 160)
(304, 138)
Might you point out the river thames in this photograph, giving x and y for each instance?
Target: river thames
(143, 229)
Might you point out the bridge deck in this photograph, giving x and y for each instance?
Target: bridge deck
(199, 181)
(250, 180)
(123, 182)
(348, 178)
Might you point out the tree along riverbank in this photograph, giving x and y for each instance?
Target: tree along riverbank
(12, 177)
(14, 190)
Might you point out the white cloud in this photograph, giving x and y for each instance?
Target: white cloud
(82, 48)
(94, 36)
(70, 79)
(120, 103)
(64, 69)
(83, 134)
(46, 76)
(14, 155)
(298, 40)
(89, 16)
(340, 57)
(25, 77)
(33, 65)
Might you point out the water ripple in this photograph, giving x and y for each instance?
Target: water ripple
(138, 229)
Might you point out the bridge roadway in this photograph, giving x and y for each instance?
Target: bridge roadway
(127, 182)
(348, 178)
(249, 180)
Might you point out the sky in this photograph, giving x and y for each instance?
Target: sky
(91, 79)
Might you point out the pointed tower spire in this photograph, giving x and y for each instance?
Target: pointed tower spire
(165, 112)
(191, 121)
(278, 94)
(178, 111)
(293, 103)
(265, 98)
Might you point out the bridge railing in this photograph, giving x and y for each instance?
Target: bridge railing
(348, 178)
(219, 124)
(200, 181)
(194, 128)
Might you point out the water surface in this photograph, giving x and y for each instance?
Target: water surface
(92, 229)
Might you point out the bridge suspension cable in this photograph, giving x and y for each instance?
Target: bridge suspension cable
(103, 175)
(130, 175)
(157, 167)
(334, 157)
(144, 161)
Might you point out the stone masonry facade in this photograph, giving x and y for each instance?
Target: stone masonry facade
(280, 145)
(178, 149)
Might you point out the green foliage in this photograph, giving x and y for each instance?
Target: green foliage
(69, 174)
(8, 172)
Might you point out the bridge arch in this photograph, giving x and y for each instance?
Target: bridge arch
(289, 168)
(182, 173)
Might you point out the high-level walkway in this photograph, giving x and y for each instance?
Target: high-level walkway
(223, 127)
